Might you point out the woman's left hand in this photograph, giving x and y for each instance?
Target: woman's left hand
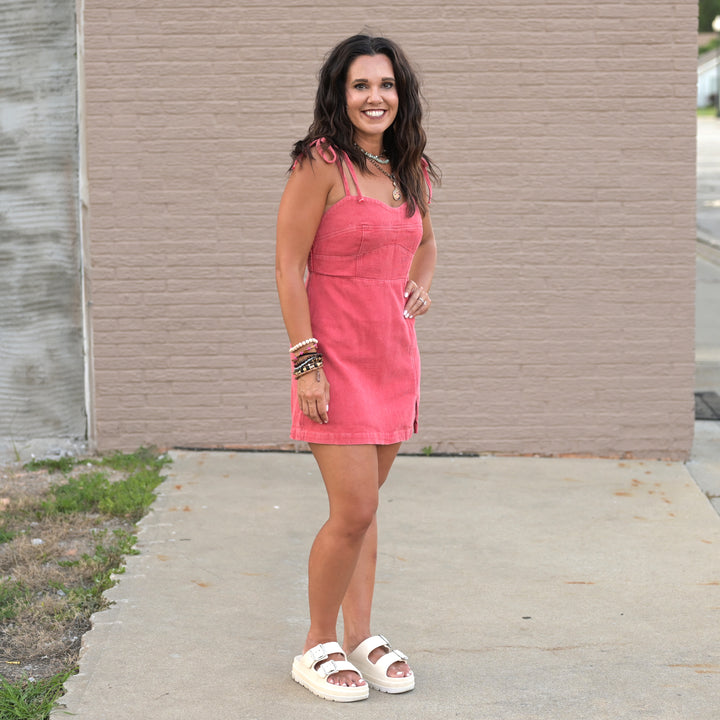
(418, 301)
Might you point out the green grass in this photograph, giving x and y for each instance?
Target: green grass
(96, 497)
(108, 558)
(31, 700)
(63, 464)
(106, 561)
(12, 596)
(708, 46)
(142, 458)
(6, 535)
(93, 492)
(707, 112)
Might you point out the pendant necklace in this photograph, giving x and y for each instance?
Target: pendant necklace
(377, 158)
(396, 190)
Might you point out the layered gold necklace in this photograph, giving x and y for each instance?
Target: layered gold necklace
(396, 190)
(377, 158)
(378, 161)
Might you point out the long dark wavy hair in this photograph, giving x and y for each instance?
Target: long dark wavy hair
(404, 141)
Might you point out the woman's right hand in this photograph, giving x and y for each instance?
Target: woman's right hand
(313, 392)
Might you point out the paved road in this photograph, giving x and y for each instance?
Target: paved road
(708, 178)
(707, 316)
(707, 327)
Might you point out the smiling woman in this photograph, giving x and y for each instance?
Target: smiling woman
(372, 99)
(355, 217)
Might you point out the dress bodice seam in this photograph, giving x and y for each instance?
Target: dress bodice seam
(362, 199)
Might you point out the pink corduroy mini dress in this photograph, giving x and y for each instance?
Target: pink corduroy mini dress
(357, 271)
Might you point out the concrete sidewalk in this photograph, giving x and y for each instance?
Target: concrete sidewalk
(521, 588)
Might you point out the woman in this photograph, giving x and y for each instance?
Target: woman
(354, 214)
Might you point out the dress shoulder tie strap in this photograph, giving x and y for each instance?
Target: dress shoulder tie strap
(354, 178)
(328, 153)
(325, 150)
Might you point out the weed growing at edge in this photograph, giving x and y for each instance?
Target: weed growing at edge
(94, 493)
(63, 464)
(31, 699)
(105, 562)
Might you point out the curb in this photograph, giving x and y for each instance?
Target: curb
(707, 246)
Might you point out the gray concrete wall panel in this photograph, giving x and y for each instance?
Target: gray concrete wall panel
(41, 359)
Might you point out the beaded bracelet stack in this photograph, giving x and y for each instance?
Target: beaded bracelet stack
(303, 343)
(308, 359)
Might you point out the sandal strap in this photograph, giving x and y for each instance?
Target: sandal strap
(372, 643)
(322, 652)
(383, 663)
(388, 659)
(334, 666)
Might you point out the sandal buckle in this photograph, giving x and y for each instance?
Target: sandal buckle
(318, 653)
(328, 668)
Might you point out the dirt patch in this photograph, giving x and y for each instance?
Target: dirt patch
(49, 570)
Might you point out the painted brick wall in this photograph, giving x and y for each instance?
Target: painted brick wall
(562, 319)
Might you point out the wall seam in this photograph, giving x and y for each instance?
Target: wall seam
(83, 206)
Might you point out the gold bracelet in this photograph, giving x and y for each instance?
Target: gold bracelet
(314, 364)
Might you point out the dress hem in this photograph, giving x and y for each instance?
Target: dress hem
(322, 438)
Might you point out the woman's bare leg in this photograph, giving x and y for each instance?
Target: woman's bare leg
(357, 603)
(350, 473)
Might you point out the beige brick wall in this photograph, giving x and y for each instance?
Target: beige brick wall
(562, 319)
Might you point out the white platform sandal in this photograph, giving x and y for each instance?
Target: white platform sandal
(375, 674)
(315, 679)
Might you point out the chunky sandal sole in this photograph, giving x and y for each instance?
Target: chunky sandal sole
(375, 674)
(324, 689)
(308, 671)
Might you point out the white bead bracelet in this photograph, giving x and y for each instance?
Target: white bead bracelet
(309, 341)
